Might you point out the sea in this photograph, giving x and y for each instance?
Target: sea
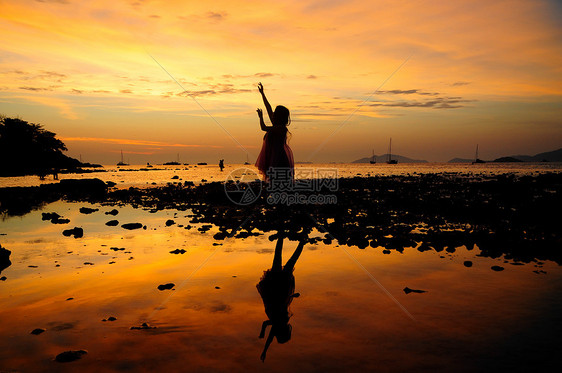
(158, 175)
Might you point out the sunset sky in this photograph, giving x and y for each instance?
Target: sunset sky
(453, 73)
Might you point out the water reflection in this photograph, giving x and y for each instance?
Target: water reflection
(277, 290)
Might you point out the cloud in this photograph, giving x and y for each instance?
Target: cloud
(216, 16)
(407, 92)
(64, 108)
(35, 88)
(458, 84)
(135, 142)
(312, 77)
(54, 1)
(438, 103)
(126, 91)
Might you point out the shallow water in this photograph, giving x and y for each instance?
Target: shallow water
(140, 176)
(352, 314)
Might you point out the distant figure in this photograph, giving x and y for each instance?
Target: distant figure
(277, 289)
(55, 173)
(276, 158)
(221, 164)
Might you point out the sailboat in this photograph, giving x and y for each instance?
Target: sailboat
(476, 159)
(121, 163)
(373, 160)
(247, 160)
(389, 159)
(173, 163)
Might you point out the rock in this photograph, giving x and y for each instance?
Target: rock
(407, 290)
(131, 226)
(178, 251)
(54, 218)
(110, 318)
(80, 188)
(76, 232)
(144, 326)
(4, 259)
(217, 287)
(3, 278)
(87, 210)
(467, 263)
(175, 177)
(32, 266)
(166, 286)
(112, 212)
(69, 298)
(110, 184)
(88, 263)
(117, 248)
(112, 223)
(69, 356)
(170, 222)
(497, 268)
(386, 251)
(37, 331)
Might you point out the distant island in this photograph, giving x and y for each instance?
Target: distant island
(29, 149)
(552, 156)
(384, 157)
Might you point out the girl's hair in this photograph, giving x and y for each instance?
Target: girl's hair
(282, 115)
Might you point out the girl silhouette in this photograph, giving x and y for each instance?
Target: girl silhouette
(276, 158)
(277, 289)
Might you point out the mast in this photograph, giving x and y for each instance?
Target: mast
(390, 150)
(121, 156)
(476, 158)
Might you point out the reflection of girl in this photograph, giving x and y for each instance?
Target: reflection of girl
(275, 156)
(277, 289)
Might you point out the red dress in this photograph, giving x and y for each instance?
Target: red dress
(275, 153)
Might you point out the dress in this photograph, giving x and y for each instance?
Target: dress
(277, 289)
(275, 153)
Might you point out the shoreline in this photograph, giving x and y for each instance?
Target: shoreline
(501, 215)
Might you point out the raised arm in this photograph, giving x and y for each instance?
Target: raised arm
(262, 123)
(266, 103)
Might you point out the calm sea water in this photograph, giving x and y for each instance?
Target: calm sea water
(140, 176)
(352, 314)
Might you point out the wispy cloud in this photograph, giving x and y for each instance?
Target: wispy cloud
(135, 142)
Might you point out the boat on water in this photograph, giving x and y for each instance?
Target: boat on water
(247, 160)
(122, 163)
(389, 160)
(202, 163)
(476, 159)
(373, 160)
(173, 163)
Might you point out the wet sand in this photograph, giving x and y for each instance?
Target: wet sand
(384, 235)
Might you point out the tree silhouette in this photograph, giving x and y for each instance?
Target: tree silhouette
(27, 148)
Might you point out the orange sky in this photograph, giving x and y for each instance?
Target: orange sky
(479, 72)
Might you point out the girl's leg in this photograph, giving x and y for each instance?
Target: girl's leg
(277, 265)
(293, 260)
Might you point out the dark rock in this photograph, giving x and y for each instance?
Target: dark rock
(112, 223)
(88, 263)
(175, 177)
(69, 356)
(178, 251)
(131, 226)
(32, 266)
(37, 331)
(467, 263)
(69, 298)
(144, 326)
(117, 248)
(407, 290)
(170, 222)
(87, 210)
(4, 258)
(112, 212)
(3, 278)
(166, 286)
(54, 218)
(110, 184)
(217, 287)
(76, 232)
(497, 268)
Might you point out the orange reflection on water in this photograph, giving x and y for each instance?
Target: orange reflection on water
(341, 321)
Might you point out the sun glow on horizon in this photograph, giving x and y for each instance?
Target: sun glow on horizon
(479, 72)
